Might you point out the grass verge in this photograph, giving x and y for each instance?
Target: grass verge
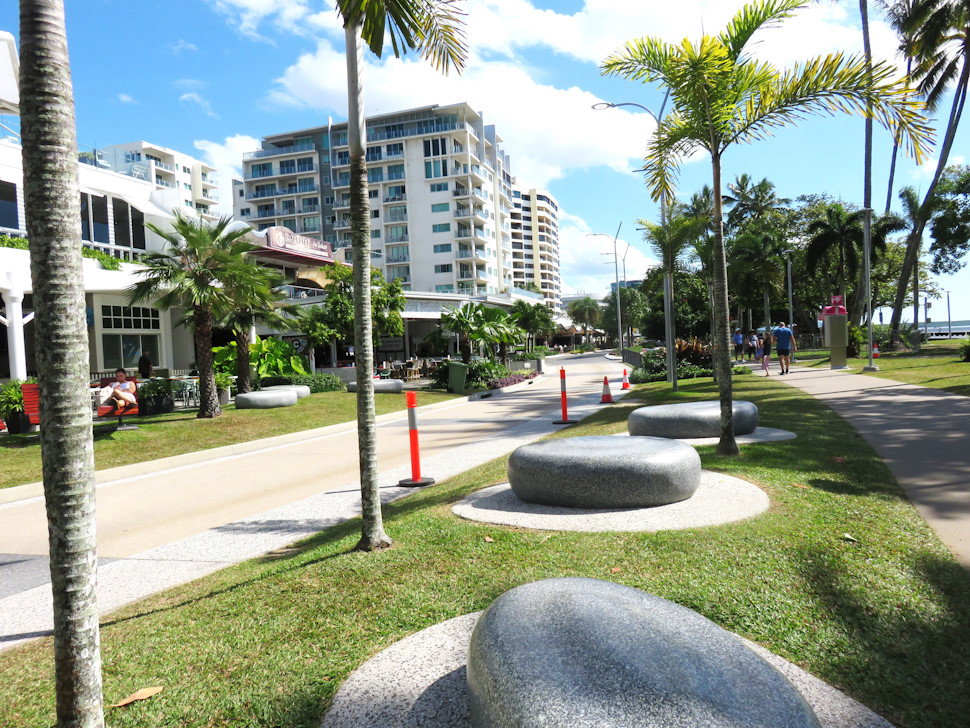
(936, 365)
(881, 614)
(160, 436)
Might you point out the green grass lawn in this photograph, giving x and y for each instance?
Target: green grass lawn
(937, 365)
(840, 576)
(180, 432)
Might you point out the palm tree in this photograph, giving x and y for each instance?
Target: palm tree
(54, 231)
(723, 96)
(753, 202)
(585, 311)
(433, 28)
(190, 274)
(497, 326)
(941, 43)
(463, 320)
(758, 250)
(669, 242)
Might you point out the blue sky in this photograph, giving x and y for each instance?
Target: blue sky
(211, 77)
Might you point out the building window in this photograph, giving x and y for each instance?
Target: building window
(441, 207)
(8, 206)
(443, 268)
(375, 175)
(130, 317)
(443, 248)
(441, 228)
(375, 234)
(395, 150)
(395, 171)
(439, 186)
(371, 194)
(304, 164)
(445, 288)
(124, 350)
(122, 222)
(263, 169)
(99, 210)
(435, 168)
(435, 147)
(287, 166)
(375, 213)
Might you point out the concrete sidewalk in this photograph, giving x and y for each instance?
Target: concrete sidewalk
(922, 434)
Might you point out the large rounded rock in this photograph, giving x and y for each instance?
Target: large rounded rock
(301, 390)
(266, 399)
(691, 419)
(388, 386)
(578, 653)
(604, 472)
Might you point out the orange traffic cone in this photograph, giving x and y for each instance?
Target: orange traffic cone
(607, 397)
(626, 381)
(875, 351)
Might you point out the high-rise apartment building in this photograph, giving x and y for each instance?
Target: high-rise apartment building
(440, 193)
(535, 243)
(185, 182)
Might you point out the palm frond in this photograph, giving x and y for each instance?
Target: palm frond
(673, 141)
(753, 17)
(643, 59)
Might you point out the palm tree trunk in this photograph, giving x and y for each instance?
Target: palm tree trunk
(727, 445)
(372, 525)
(61, 341)
(914, 242)
(208, 397)
(892, 163)
(243, 383)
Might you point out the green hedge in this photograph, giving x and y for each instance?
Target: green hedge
(316, 382)
(107, 262)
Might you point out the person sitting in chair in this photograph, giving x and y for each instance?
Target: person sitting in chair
(121, 391)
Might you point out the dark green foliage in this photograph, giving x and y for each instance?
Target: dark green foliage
(316, 382)
(951, 223)
(695, 351)
(691, 306)
(107, 262)
(965, 351)
(480, 373)
(857, 340)
(11, 399)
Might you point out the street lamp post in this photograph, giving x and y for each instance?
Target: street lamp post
(949, 318)
(787, 254)
(616, 265)
(866, 244)
(668, 276)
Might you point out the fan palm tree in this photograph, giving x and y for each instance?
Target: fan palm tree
(463, 320)
(941, 44)
(200, 257)
(585, 311)
(61, 341)
(497, 326)
(433, 28)
(723, 96)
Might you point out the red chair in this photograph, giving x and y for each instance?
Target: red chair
(106, 410)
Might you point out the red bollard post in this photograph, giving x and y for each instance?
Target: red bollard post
(562, 386)
(415, 480)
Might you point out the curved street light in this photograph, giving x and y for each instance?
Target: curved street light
(616, 266)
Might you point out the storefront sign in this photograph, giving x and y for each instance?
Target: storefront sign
(281, 238)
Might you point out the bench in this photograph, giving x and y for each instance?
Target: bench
(32, 404)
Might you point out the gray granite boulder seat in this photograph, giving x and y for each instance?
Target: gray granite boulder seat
(388, 386)
(578, 653)
(691, 419)
(604, 472)
(266, 399)
(301, 390)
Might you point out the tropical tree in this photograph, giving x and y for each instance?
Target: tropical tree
(463, 320)
(758, 250)
(753, 202)
(951, 221)
(53, 220)
(498, 326)
(585, 311)
(190, 274)
(722, 96)
(433, 28)
(536, 319)
(941, 44)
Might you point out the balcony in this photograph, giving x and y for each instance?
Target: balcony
(309, 209)
(391, 260)
(468, 252)
(302, 146)
(310, 228)
(266, 213)
(298, 292)
(460, 192)
(398, 239)
(472, 274)
(262, 194)
(462, 211)
(396, 198)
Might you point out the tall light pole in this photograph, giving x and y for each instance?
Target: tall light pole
(616, 266)
(949, 318)
(791, 316)
(668, 276)
(866, 245)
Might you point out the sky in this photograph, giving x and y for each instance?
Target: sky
(211, 77)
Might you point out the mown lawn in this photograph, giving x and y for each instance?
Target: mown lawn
(938, 365)
(841, 576)
(160, 436)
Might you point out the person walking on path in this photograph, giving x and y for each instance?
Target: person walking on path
(766, 353)
(785, 344)
(751, 345)
(738, 340)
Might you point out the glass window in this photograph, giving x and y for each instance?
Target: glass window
(85, 212)
(441, 228)
(445, 288)
(443, 268)
(375, 175)
(8, 206)
(443, 248)
(99, 208)
(441, 207)
(439, 186)
(121, 224)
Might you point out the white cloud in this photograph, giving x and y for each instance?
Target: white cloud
(183, 45)
(927, 169)
(586, 261)
(227, 159)
(126, 99)
(199, 100)
(189, 83)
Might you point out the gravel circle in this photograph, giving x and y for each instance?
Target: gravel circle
(420, 682)
(719, 499)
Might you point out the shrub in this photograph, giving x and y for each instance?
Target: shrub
(107, 262)
(316, 382)
(857, 339)
(696, 351)
(965, 351)
(11, 399)
(223, 380)
(517, 377)
(156, 388)
(480, 373)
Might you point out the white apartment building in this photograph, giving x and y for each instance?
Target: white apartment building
(184, 181)
(440, 191)
(535, 243)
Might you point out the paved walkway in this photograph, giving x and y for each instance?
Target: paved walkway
(922, 434)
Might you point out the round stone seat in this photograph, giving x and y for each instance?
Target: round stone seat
(604, 472)
(576, 652)
(301, 390)
(386, 386)
(266, 399)
(691, 419)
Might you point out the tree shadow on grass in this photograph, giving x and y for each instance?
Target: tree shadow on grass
(909, 662)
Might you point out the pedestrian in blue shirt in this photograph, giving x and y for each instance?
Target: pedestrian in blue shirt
(785, 345)
(738, 340)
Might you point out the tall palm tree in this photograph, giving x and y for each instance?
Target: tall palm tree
(498, 326)
(433, 28)
(585, 311)
(463, 320)
(753, 202)
(723, 96)
(190, 274)
(67, 452)
(941, 43)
